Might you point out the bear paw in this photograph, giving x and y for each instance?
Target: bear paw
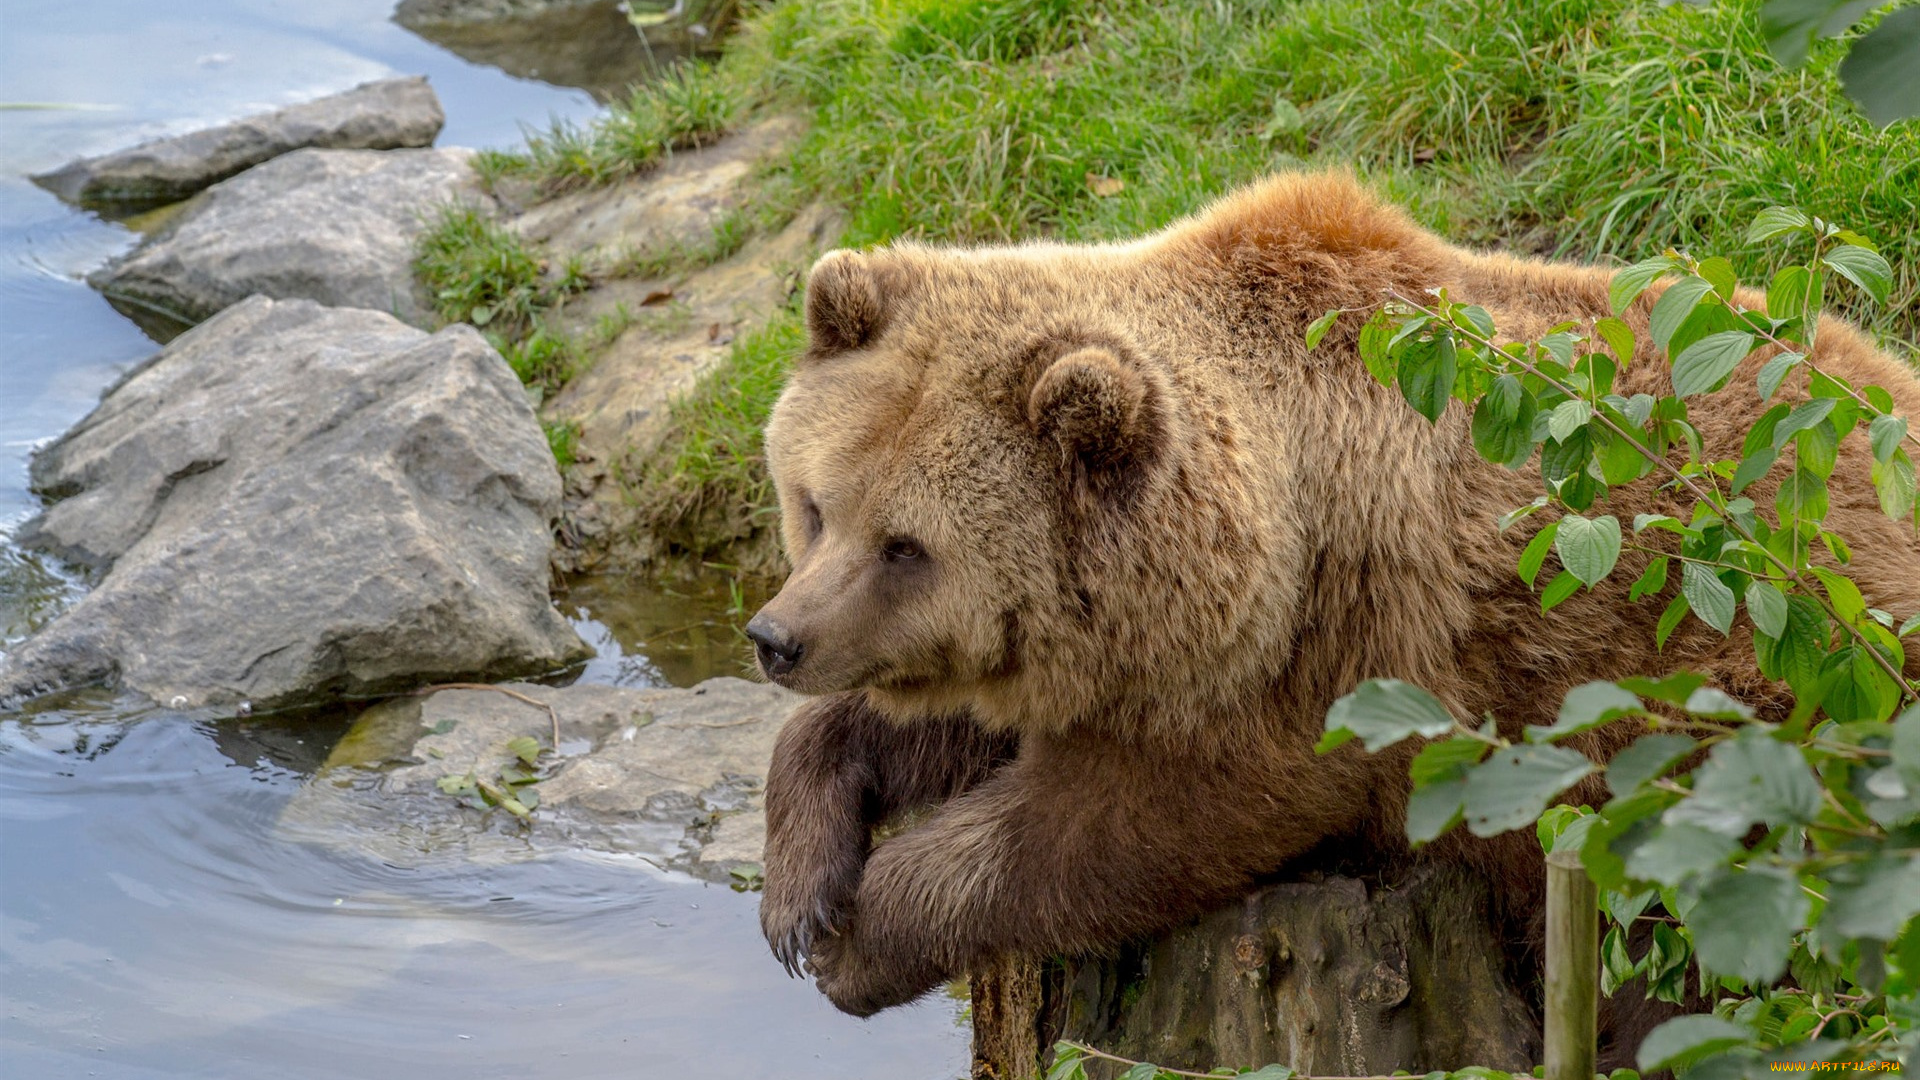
(806, 902)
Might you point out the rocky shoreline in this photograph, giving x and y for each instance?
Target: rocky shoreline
(311, 494)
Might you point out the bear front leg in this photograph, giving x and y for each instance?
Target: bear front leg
(1073, 848)
(839, 769)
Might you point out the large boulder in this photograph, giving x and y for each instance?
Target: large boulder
(293, 502)
(668, 775)
(336, 226)
(384, 115)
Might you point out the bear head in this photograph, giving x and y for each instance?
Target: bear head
(1045, 483)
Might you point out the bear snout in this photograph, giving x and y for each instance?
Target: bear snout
(776, 649)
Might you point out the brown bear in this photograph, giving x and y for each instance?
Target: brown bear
(1085, 541)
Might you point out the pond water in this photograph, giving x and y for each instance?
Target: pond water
(154, 921)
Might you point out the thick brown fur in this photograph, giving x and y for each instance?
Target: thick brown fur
(1102, 504)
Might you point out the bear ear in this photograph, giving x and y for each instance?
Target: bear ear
(844, 309)
(1106, 415)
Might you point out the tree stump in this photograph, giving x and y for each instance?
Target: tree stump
(1331, 977)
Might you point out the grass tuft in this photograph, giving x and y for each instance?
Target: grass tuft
(690, 106)
(709, 483)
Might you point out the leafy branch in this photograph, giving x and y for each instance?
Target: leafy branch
(1747, 850)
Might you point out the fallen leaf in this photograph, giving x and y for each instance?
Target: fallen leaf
(657, 296)
(718, 335)
(1105, 186)
(1424, 155)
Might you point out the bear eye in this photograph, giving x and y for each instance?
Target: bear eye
(903, 549)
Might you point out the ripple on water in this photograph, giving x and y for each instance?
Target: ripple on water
(156, 922)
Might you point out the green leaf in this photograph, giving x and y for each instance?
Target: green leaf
(1719, 270)
(1558, 590)
(1856, 687)
(1705, 365)
(1893, 482)
(1618, 336)
(1677, 853)
(1651, 580)
(1568, 417)
(1675, 305)
(524, 748)
(1675, 688)
(1802, 495)
(1144, 1070)
(1677, 609)
(1445, 759)
(1745, 921)
(1749, 778)
(1774, 371)
(1768, 607)
(1708, 595)
(1753, 468)
(1374, 335)
(1801, 417)
(1503, 423)
(1801, 650)
(1716, 705)
(1588, 548)
(1268, 1072)
(1510, 789)
(1478, 318)
(1586, 706)
(1630, 283)
(481, 315)
(1787, 293)
(456, 785)
(1435, 808)
(1068, 1063)
(1872, 898)
(1381, 712)
(1318, 328)
(1885, 434)
(1427, 370)
(1862, 267)
(1684, 1040)
(1772, 222)
(1648, 758)
(1535, 553)
(1842, 592)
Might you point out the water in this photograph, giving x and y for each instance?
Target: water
(153, 920)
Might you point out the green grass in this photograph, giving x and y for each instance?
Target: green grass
(709, 484)
(690, 106)
(1599, 130)
(563, 438)
(481, 273)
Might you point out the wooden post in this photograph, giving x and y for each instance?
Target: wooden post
(1573, 968)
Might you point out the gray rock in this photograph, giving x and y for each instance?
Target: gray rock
(384, 115)
(669, 775)
(336, 226)
(293, 502)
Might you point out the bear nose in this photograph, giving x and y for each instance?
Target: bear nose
(778, 652)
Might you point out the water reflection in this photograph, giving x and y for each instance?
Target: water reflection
(157, 924)
(676, 634)
(587, 45)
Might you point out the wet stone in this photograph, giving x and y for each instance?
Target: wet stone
(667, 775)
(292, 504)
(384, 115)
(332, 226)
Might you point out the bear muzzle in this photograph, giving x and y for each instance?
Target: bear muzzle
(776, 649)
